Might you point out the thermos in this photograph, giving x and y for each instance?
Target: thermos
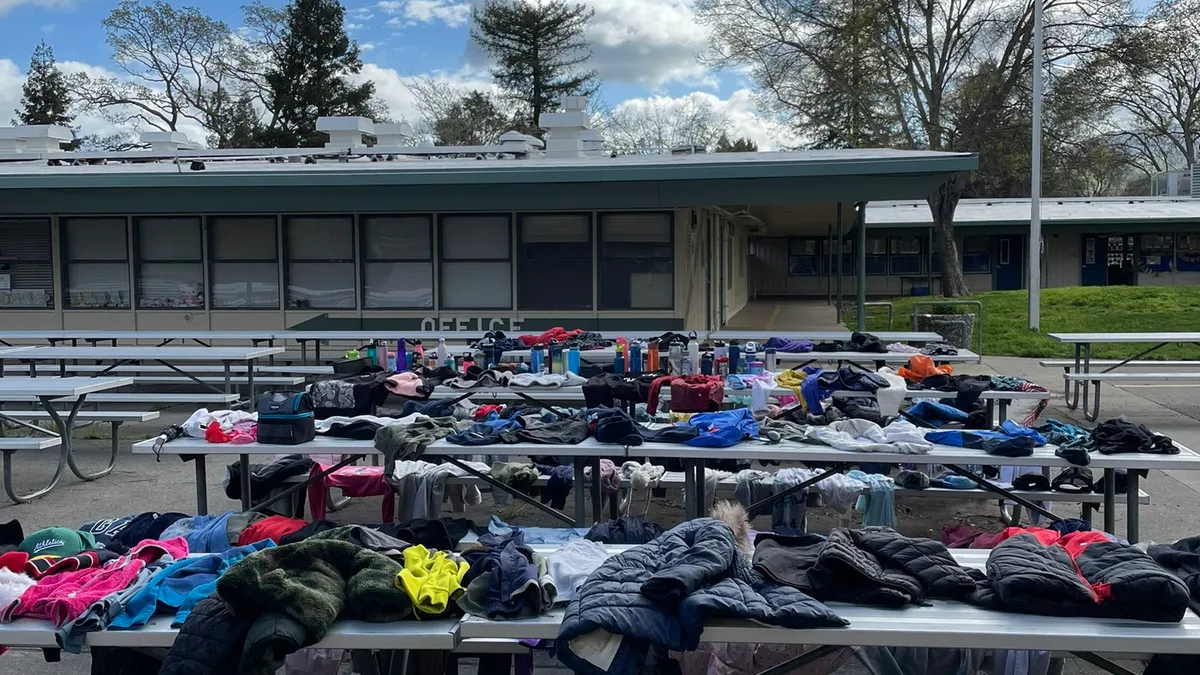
(558, 363)
(635, 357)
(401, 355)
(735, 357)
(706, 364)
(619, 361)
(573, 360)
(652, 357)
(770, 363)
(535, 359)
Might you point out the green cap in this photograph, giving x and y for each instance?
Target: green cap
(57, 541)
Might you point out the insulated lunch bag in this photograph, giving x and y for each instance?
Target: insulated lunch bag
(285, 419)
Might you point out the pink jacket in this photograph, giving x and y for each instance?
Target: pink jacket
(64, 597)
(355, 481)
(404, 384)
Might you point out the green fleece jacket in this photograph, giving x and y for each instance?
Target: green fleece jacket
(295, 592)
(408, 441)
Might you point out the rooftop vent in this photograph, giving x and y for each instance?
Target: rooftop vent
(346, 132)
(34, 138)
(565, 129)
(167, 141)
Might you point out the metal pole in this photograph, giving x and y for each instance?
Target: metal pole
(1035, 188)
(841, 236)
(828, 270)
(861, 212)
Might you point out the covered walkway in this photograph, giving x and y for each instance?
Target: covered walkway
(785, 315)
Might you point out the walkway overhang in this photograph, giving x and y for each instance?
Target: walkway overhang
(487, 185)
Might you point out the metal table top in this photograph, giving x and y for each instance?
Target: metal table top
(164, 353)
(12, 388)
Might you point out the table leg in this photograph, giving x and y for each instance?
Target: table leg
(245, 478)
(228, 377)
(1110, 500)
(1087, 368)
(597, 493)
(689, 489)
(250, 381)
(580, 481)
(701, 498)
(303, 351)
(1003, 405)
(65, 429)
(317, 351)
(1072, 387)
(1131, 506)
(201, 486)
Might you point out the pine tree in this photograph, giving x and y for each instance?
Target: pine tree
(737, 145)
(45, 99)
(538, 49)
(309, 76)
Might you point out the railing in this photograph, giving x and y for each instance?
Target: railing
(849, 309)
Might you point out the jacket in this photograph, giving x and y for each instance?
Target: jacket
(210, 641)
(871, 566)
(1081, 574)
(294, 593)
(855, 435)
(1183, 560)
(660, 594)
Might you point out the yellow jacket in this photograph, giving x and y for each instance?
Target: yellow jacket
(431, 579)
(792, 379)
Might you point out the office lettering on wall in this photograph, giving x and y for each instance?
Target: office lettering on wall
(470, 323)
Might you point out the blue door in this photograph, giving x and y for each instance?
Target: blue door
(1010, 263)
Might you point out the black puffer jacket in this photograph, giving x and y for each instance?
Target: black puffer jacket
(1183, 560)
(1080, 578)
(209, 642)
(660, 594)
(871, 566)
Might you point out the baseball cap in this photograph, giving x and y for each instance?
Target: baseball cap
(57, 541)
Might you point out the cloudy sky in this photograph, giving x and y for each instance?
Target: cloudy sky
(643, 49)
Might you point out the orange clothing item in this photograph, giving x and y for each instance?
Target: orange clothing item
(921, 367)
(273, 528)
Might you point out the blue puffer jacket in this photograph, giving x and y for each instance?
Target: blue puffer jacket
(660, 594)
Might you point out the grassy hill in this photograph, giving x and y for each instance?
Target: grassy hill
(1076, 310)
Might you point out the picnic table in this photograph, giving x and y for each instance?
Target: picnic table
(1081, 375)
(168, 356)
(47, 390)
(798, 360)
(822, 335)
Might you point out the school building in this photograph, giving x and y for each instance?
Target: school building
(525, 234)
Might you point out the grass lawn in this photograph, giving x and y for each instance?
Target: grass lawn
(1126, 309)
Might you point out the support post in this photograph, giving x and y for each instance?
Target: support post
(860, 210)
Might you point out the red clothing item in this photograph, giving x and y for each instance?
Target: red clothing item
(655, 386)
(355, 481)
(487, 409)
(273, 528)
(557, 333)
(64, 597)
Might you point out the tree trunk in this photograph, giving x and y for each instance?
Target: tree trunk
(942, 205)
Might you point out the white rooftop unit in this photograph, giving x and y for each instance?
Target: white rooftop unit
(34, 138)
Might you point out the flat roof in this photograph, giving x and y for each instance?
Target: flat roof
(1057, 211)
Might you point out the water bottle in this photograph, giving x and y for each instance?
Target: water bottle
(693, 354)
(619, 361)
(535, 359)
(652, 357)
(557, 361)
(719, 351)
(706, 364)
(442, 351)
(401, 356)
(755, 367)
(687, 367)
(635, 357)
(735, 357)
(573, 360)
(771, 361)
(675, 359)
(750, 354)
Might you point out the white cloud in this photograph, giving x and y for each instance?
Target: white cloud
(390, 87)
(453, 13)
(6, 5)
(643, 42)
(739, 110)
(355, 26)
(366, 46)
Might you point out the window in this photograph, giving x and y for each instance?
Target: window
(977, 254)
(476, 257)
(97, 263)
(829, 267)
(877, 260)
(169, 254)
(245, 262)
(905, 255)
(1187, 252)
(397, 261)
(555, 266)
(26, 269)
(1156, 253)
(803, 260)
(320, 262)
(637, 261)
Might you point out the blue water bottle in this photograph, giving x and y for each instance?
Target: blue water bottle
(401, 355)
(535, 359)
(619, 361)
(635, 357)
(573, 360)
(735, 354)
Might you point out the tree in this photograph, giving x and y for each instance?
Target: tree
(44, 98)
(538, 49)
(737, 145)
(659, 125)
(177, 65)
(872, 72)
(451, 115)
(239, 123)
(308, 77)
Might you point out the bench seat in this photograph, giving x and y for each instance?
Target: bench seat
(33, 443)
(1070, 363)
(1132, 377)
(87, 415)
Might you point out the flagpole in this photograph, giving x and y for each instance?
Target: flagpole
(1035, 188)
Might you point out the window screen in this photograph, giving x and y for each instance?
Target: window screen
(637, 261)
(170, 272)
(397, 261)
(476, 263)
(245, 262)
(320, 262)
(97, 263)
(26, 269)
(554, 270)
